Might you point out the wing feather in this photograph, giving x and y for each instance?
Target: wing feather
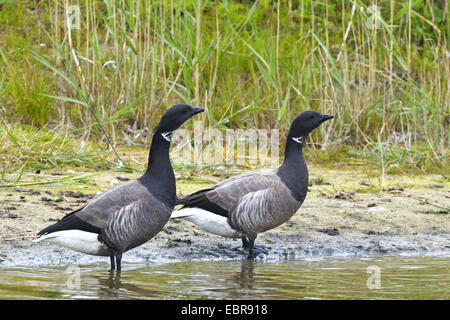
(254, 202)
(93, 217)
(263, 210)
(222, 197)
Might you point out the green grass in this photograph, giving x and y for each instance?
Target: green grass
(131, 60)
(26, 147)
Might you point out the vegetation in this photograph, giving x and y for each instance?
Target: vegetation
(383, 71)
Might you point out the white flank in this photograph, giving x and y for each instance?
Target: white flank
(207, 221)
(81, 241)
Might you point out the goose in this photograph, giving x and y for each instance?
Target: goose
(129, 214)
(245, 205)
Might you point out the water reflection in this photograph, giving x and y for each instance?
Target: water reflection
(230, 280)
(245, 278)
(116, 284)
(109, 286)
(330, 278)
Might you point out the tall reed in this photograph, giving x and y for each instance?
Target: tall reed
(382, 67)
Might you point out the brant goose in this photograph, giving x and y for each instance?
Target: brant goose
(257, 201)
(131, 213)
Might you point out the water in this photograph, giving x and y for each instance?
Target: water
(321, 278)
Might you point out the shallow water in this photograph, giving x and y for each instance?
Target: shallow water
(384, 277)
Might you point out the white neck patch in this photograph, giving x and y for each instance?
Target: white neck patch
(167, 135)
(299, 139)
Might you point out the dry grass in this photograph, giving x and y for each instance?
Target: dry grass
(387, 86)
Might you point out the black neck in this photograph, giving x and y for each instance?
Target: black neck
(159, 169)
(294, 172)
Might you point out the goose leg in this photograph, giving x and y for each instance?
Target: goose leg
(245, 243)
(251, 251)
(113, 263)
(119, 261)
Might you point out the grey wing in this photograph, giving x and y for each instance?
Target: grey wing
(224, 196)
(263, 210)
(135, 223)
(228, 193)
(98, 210)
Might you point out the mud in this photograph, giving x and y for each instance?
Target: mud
(346, 213)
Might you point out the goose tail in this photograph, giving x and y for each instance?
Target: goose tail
(41, 237)
(181, 214)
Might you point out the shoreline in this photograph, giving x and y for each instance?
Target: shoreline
(338, 218)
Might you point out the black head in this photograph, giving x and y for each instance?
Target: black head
(306, 122)
(176, 116)
(294, 172)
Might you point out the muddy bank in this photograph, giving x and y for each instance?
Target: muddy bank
(346, 213)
